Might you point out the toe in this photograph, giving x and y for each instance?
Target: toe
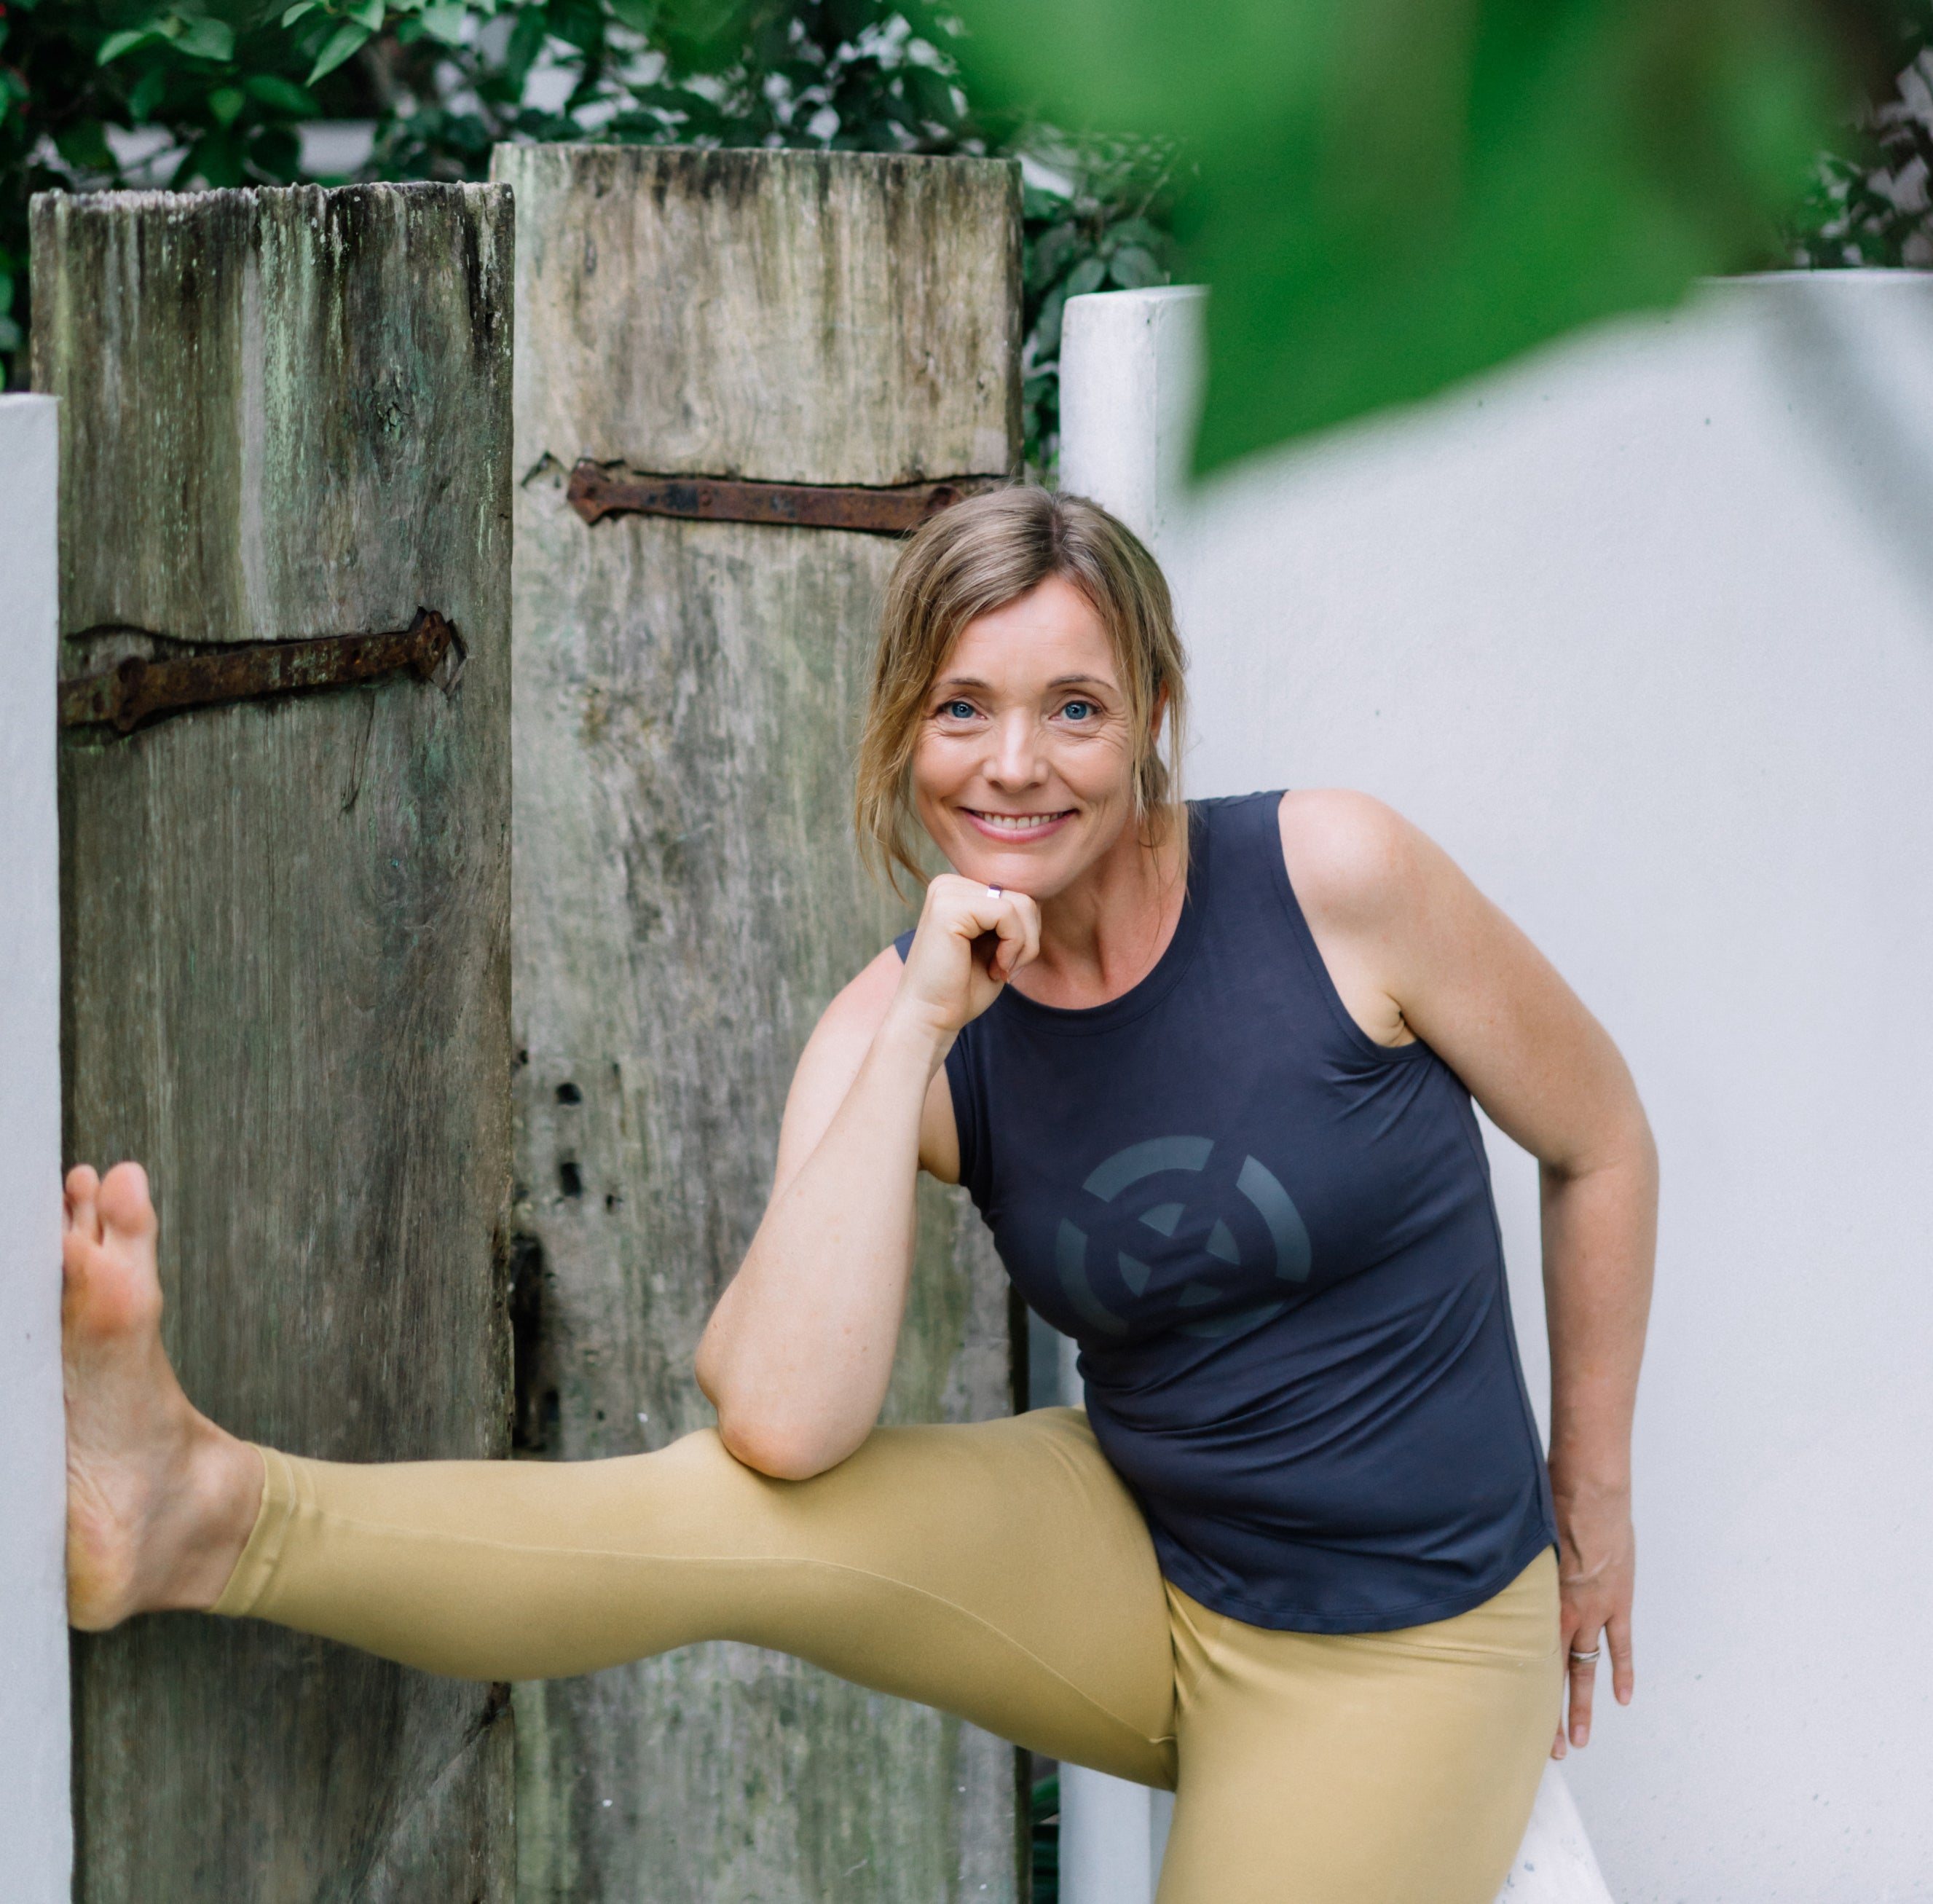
(127, 1212)
(83, 1187)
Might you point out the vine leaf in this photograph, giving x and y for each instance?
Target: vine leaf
(345, 40)
(1390, 195)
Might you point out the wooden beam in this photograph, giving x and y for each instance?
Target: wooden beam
(286, 413)
(688, 899)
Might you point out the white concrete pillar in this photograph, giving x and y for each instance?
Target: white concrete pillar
(1130, 382)
(36, 1832)
(1130, 389)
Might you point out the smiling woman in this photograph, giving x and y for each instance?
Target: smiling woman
(1207, 1072)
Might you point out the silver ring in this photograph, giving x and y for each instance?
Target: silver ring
(1590, 1658)
(992, 892)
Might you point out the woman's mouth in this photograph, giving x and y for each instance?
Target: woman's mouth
(1017, 826)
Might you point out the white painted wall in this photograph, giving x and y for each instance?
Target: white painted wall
(1642, 630)
(36, 1839)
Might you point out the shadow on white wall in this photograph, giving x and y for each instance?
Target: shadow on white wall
(1642, 630)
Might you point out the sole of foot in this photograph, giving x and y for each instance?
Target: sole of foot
(160, 1502)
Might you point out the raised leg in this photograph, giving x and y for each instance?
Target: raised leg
(1000, 1571)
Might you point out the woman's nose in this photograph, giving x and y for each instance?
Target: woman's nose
(1015, 760)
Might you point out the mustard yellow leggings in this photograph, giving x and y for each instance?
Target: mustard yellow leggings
(1000, 1572)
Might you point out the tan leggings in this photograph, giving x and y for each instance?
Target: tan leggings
(1000, 1572)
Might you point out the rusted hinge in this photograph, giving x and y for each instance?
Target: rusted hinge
(137, 690)
(596, 492)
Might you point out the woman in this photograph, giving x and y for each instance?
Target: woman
(1207, 1074)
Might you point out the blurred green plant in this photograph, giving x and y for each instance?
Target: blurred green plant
(1390, 195)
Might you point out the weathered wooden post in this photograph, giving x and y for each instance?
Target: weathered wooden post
(285, 420)
(811, 334)
(36, 1843)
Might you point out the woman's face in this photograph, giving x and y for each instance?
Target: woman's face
(1024, 771)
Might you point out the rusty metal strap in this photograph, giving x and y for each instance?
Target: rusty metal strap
(596, 492)
(136, 691)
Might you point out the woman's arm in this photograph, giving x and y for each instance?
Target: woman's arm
(1416, 950)
(797, 1354)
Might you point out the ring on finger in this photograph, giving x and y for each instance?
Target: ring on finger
(1590, 1658)
(994, 892)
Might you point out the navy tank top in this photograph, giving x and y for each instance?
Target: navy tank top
(1275, 1241)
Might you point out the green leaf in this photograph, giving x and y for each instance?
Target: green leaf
(348, 38)
(226, 103)
(283, 96)
(1136, 231)
(301, 8)
(1389, 195)
(1085, 277)
(208, 39)
(276, 151)
(366, 13)
(527, 39)
(445, 22)
(1134, 268)
(215, 159)
(84, 146)
(1047, 255)
(148, 93)
(115, 44)
(640, 16)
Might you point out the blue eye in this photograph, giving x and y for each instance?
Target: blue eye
(1078, 710)
(958, 710)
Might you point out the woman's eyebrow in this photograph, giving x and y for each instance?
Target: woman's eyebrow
(1058, 681)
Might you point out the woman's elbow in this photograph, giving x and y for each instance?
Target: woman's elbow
(784, 1452)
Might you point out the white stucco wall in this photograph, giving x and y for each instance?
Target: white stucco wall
(36, 1843)
(1642, 630)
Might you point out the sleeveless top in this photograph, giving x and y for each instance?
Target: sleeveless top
(1275, 1242)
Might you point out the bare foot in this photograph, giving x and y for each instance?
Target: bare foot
(160, 1501)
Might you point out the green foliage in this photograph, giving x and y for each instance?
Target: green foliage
(1044, 1836)
(228, 85)
(1385, 195)
(1389, 195)
(1105, 229)
(221, 86)
(1870, 204)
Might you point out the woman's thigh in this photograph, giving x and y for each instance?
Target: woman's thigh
(1380, 1768)
(999, 1570)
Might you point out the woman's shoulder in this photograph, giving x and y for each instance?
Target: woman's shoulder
(1349, 856)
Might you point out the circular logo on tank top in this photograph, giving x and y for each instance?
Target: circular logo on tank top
(1191, 1220)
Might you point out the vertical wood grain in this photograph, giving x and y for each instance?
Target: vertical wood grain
(688, 897)
(286, 968)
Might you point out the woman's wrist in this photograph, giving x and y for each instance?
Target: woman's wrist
(1590, 1483)
(907, 1035)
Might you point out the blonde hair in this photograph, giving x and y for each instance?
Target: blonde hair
(972, 559)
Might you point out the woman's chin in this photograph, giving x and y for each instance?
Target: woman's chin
(1040, 876)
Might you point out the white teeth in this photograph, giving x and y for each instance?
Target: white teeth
(1015, 822)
